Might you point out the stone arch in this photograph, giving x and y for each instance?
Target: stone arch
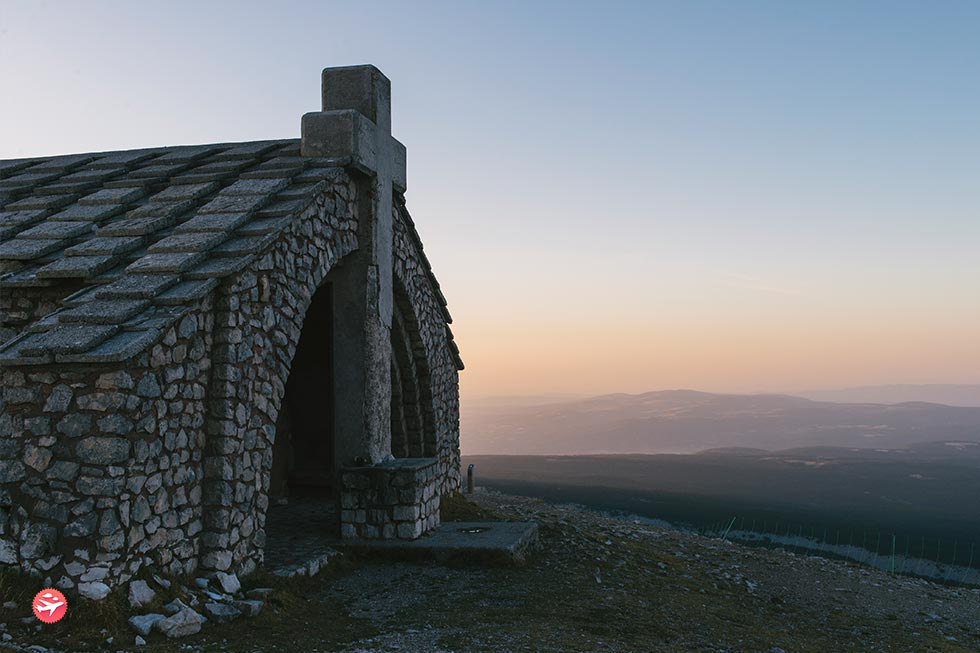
(413, 432)
(258, 326)
(422, 299)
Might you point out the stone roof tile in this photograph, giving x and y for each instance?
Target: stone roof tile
(218, 267)
(25, 278)
(218, 222)
(187, 242)
(66, 339)
(261, 187)
(25, 249)
(155, 317)
(104, 311)
(111, 196)
(185, 192)
(61, 163)
(76, 298)
(248, 150)
(40, 202)
(105, 245)
(186, 154)
(119, 347)
(284, 207)
(184, 292)
(242, 245)
(92, 174)
(158, 170)
(140, 286)
(117, 160)
(161, 209)
(77, 267)
(177, 262)
(13, 222)
(233, 204)
(62, 187)
(92, 213)
(8, 168)
(260, 226)
(135, 226)
(11, 352)
(28, 179)
(51, 229)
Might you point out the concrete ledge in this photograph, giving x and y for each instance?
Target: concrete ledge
(457, 542)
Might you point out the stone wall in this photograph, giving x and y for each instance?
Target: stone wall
(100, 466)
(413, 275)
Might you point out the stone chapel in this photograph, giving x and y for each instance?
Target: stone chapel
(196, 336)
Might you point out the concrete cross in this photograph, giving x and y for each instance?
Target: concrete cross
(355, 123)
(354, 127)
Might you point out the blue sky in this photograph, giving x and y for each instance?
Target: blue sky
(615, 196)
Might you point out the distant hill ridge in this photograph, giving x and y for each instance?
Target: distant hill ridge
(688, 421)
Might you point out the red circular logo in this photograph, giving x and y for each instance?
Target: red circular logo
(49, 605)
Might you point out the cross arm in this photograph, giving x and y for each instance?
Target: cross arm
(349, 134)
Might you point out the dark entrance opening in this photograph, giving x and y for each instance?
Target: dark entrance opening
(306, 415)
(302, 487)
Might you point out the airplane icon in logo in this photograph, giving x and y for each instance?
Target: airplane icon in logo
(49, 605)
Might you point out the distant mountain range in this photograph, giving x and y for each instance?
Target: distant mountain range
(939, 393)
(686, 421)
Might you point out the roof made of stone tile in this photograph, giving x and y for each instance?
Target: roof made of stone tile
(147, 232)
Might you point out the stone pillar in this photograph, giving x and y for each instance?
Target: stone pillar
(355, 126)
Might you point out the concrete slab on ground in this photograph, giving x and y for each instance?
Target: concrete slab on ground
(458, 542)
(297, 532)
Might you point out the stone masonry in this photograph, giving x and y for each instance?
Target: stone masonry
(152, 304)
(398, 499)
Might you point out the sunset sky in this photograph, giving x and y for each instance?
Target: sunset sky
(616, 197)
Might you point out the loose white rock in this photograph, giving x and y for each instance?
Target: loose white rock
(229, 582)
(221, 612)
(93, 591)
(184, 623)
(140, 594)
(250, 608)
(144, 623)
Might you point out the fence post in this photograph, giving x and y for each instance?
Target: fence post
(893, 554)
(969, 565)
(730, 524)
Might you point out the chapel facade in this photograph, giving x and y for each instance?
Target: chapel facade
(194, 336)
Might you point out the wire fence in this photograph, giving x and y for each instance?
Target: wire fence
(935, 558)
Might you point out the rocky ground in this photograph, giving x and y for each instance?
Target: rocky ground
(597, 584)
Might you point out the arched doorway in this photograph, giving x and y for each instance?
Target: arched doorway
(302, 483)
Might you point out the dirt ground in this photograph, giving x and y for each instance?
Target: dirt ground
(596, 583)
